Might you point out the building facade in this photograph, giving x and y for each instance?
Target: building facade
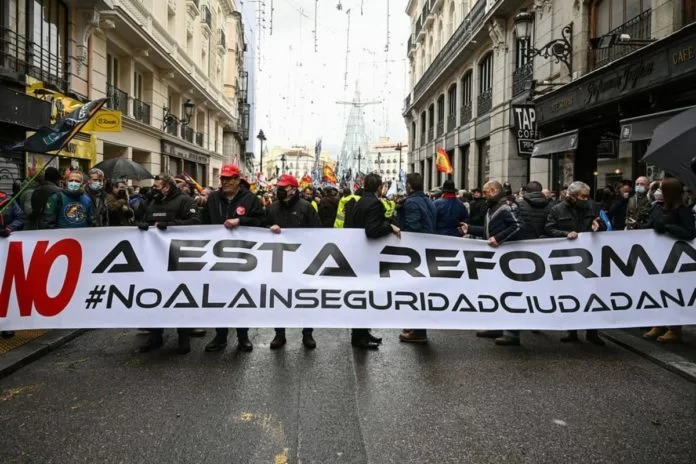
(491, 95)
(388, 158)
(297, 160)
(173, 69)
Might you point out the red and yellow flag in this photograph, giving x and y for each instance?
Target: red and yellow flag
(328, 174)
(442, 162)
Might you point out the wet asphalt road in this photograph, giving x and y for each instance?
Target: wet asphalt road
(458, 400)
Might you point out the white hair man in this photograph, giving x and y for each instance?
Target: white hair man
(569, 218)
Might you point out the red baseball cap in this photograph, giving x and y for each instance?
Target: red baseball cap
(229, 170)
(287, 179)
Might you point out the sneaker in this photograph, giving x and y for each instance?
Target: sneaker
(365, 344)
(413, 337)
(374, 339)
(154, 342)
(216, 344)
(308, 341)
(244, 344)
(507, 340)
(489, 334)
(278, 342)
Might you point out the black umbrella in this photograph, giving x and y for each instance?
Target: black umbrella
(123, 168)
(673, 145)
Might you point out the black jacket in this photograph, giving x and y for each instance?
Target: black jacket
(502, 220)
(534, 209)
(175, 209)
(566, 217)
(245, 206)
(617, 213)
(292, 214)
(100, 211)
(328, 207)
(477, 212)
(368, 213)
(678, 223)
(39, 200)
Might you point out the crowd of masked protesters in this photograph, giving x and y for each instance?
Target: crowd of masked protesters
(492, 213)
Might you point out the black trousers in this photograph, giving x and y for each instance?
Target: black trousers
(181, 332)
(359, 334)
(223, 332)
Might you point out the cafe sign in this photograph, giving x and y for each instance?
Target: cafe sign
(525, 127)
(177, 151)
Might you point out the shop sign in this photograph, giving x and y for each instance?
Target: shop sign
(525, 126)
(628, 78)
(176, 151)
(105, 121)
(608, 145)
(682, 58)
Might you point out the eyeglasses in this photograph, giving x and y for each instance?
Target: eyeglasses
(229, 179)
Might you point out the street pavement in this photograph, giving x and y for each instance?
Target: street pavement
(458, 400)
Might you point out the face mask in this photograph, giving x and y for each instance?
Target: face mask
(626, 194)
(582, 204)
(658, 195)
(96, 186)
(640, 189)
(281, 194)
(73, 186)
(156, 194)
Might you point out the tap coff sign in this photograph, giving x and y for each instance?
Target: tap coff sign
(525, 122)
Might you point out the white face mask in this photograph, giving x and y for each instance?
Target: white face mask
(73, 186)
(626, 194)
(640, 189)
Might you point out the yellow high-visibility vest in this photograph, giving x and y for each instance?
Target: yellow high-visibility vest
(314, 205)
(389, 207)
(341, 213)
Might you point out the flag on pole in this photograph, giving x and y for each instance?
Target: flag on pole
(329, 175)
(393, 191)
(442, 162)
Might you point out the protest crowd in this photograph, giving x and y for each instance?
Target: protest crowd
(493, 213)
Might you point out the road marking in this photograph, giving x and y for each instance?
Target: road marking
(247, 416)
(560, 422)
(11, 393)
(282, 458)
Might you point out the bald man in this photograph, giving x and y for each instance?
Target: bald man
(638, 209)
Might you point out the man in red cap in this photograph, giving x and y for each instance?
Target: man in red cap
(291, 211)
(232, 206)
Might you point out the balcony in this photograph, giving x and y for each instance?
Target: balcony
(451, 122)
(473, 23)
(420, 30)
(206, 19)
(141, 111)
(407, 103)
(172, 129)
(199, 137)
(431, 134)
(116, 99)
(521, 78)
(187, 133)
(222, 41)
(465, 114)
(485, 102)
(639, 28)
(410, 46)
(21, 57)
(193, 7)
(427, 17)
(440, 128)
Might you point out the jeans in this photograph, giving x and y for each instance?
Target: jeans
(304, 331)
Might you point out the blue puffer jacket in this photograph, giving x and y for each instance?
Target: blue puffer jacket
(417, 214)
(450, 212)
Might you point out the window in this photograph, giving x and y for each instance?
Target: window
(137, 85)
(112, 70)
(452, 100)
(451, 19)
(610, 14)
(688, 12)
(466, 89)
(521, 52)
(486, 74)
(484, 162)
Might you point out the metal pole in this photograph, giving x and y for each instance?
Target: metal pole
(359, 158)
(261, 157)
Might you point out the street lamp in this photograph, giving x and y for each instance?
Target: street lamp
(277, 170)
(168, 119)
(282, 161)
(359, 157)
(398, 148)
(379, 162)
(262, 138)
(559, 49)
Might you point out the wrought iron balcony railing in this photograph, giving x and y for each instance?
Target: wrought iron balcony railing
(20, 56)
(485, 102)
(639, 28)
(521, 77)
(440, 128)
(187, 134)
(172, 128)
(465, 114)
(117, 99)
(206, 17)
(141, 111)
(199, 139)
(451, 121)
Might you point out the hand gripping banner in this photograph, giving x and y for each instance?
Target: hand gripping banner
(208, 276)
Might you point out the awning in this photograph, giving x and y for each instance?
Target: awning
(560, 143)
(642, 127)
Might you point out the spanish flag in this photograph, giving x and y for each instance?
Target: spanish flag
(442, 162)
(329, 175)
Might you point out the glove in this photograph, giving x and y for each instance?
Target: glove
(143, 226)
(5, 232)
(162, 225)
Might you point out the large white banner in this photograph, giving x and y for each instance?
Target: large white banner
(209, 276)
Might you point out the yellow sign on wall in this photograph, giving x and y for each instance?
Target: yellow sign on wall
(104, 121)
